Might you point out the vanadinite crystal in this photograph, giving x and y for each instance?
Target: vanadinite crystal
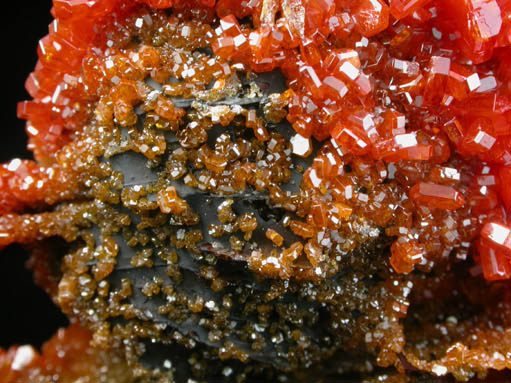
(253, 189)
(68, 357)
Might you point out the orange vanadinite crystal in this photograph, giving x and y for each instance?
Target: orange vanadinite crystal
(498, 235)
(275, 237)
(505, 192)
(405, 254)
(437, 196)
(495, 262)
(479, 23)
(170, 202)
(370, 16)
(67, 357)
(402, 8)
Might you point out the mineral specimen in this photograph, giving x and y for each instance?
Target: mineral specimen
(277, 189)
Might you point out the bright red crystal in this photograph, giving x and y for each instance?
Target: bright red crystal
(437, 196)
(498, 235)
(478, 22)
(351, 138)
(405, 254)
(402, 8)
(496, 263)
(370, 16)
(505, 189)
(402, 147)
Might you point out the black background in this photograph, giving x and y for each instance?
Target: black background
(27, 315)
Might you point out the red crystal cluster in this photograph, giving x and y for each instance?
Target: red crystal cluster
(418, 81)
(431, 85)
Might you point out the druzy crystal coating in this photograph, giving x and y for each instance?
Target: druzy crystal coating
(401, 116)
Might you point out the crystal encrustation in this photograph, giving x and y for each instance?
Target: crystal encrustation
(214, 217)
